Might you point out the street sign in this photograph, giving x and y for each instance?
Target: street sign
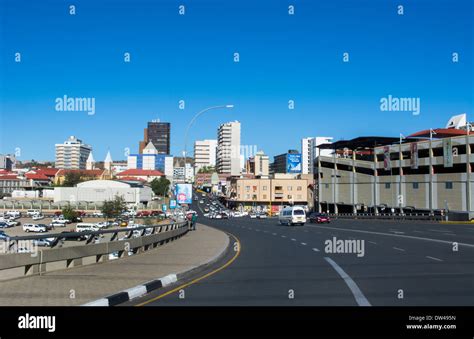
(172, 204)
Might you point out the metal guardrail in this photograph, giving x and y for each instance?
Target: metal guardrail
(95, 252)
(389, 216)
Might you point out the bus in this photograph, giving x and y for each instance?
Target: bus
(292, 215)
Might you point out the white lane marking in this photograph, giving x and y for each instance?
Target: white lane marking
(433, 258)
(315, 249)
(373, 242)
(418, 231)
(442, 231)
(356, 292)
(398, 249)
(303, 243)
(274, 233)
(283, 236)
(293, 239)
(400, 236)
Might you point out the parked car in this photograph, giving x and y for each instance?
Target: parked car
(3, 224)
(34, 228)
(57, 224)
(261, 215)
(319, 218)
(37, 216)
(253, 216)
(97, 214)
(3, 236)
(45, 242)
(31, 213)
(13, 214)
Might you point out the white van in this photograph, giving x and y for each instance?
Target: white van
(292, 216)
(82, 227)
(31, 213)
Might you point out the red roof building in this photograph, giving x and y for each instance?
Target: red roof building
(141, 174)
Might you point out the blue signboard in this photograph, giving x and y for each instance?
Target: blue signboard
(172, 204)
(184, 193)
(293, 163)
(163, 207)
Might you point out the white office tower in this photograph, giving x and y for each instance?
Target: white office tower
(72, 154)
(90, 163)
(310, 151)
(228, 148)
(204, 154)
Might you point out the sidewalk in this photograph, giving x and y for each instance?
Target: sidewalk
(80, 285)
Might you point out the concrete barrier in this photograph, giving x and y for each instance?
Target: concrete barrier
(89, 253)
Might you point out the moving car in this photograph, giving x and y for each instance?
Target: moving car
(83, 227)
(293, 215)
(45, 242)
(319, 218)
(34, 228)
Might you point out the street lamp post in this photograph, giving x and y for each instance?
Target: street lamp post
(189, 126)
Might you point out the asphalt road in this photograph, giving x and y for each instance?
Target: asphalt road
(402, 264)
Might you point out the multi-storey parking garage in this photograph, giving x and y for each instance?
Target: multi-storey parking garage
(380, 174)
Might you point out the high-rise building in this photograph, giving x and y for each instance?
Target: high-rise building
(310, 151)
(72, 154)
(258, 165)
(149, 159)
(157, 133)
(228, 148)
(204, 154)
(289, 162)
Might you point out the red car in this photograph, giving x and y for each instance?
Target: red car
(319, 218)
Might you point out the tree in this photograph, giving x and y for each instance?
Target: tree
(69, 213)
(71, 179)
(113, 208)
(160, 186)
(207, 169)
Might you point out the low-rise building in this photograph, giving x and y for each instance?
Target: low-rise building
(102, 190)
(268, 194)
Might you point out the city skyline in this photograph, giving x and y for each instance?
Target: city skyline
(174, 57)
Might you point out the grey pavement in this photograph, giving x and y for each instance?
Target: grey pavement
(76, 286)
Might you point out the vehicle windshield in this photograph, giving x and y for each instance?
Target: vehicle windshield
(298, 212)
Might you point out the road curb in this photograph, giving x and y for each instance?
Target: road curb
(145, 288)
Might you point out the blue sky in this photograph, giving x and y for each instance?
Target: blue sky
(190, 57)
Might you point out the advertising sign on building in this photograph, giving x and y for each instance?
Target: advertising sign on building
(386, 158)
(414, 155)
(184, 193)
(293, 163)
(172, 204)
(163, 207)
(448, 152)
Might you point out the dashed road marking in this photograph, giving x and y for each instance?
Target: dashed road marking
(398, 249)
(373, 242)
(433, 258)
(293, 239)
(315, 249)
(303, 243)
(283, 236)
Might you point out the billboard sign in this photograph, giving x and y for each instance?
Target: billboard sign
(414, 155)
(172, 204)
(293, 163)
(448, 152)
(386, 158)
(163, 207)
(184, 193)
